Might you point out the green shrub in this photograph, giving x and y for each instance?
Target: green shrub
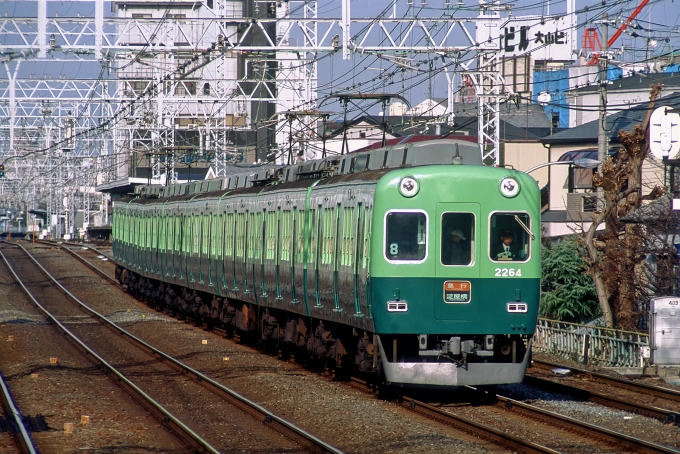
(567, 291)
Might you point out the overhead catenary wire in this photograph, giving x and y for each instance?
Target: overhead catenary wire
(385, 82)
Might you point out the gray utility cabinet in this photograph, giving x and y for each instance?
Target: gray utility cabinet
(665, 330)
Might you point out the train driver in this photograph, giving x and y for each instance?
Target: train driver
(505, 249)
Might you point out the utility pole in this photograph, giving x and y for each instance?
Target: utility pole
(602, 140)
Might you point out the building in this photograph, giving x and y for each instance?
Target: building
(571, 198)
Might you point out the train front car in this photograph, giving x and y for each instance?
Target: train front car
(455, 274)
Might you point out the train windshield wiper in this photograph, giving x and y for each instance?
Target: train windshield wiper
(526, 229)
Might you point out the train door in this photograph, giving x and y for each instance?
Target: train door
(132, 229)
(169, 242)
(153, 244)
(312, 255)
(137, 238)
(263, 266)
(195, 238)
(176, 240)
(141, 238)
(204, 252)
(269, 234)
(201, 241)
(326, 279)
(286, 253)
(458, 245)
(342, 255)
(185, 244)
(239, 255)
(258, 254)
(363, 217)
(249, 264)
(161, 250)
(358, 258)
(215, 239)
(229, 262)
(277, 254)
(206, 246)
(297, 256)
(146, 235)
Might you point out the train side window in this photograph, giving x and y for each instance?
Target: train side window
(509, 239)
(457, 238)
(406, 236)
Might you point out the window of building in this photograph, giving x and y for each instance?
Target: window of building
(555, 119)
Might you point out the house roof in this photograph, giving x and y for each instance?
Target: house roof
(659, 210)
(636, 82)
(401, 126)
(412, 139)
(623, 120)
(531, 116)
(506, 131)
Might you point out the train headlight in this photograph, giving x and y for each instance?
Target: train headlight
(408, 186)
(509, 187)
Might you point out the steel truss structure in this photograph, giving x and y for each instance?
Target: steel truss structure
(182, 85)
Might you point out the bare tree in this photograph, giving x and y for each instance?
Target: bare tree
(614, 256)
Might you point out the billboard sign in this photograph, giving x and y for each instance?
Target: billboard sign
(543, 38)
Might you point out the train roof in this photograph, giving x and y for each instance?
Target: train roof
(368, 165)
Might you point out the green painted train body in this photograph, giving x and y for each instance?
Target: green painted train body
(354, 260)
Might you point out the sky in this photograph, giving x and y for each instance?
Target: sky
(655, 30)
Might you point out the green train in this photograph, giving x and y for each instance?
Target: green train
(414, 261)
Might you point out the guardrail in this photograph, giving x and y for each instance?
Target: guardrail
(592, 344)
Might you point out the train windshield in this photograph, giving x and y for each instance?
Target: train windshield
(510, 237)
(458, 237)
(405, 236)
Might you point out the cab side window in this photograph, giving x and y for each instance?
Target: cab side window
(405, 236)
(509, 237)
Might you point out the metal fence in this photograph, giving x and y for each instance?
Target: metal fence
(592, 344)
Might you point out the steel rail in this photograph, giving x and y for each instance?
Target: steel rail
(656, 391)
(64, 244)
(166, 418)
(590, 430)
(84, 260)
(17, 430)
(475, 428)
(237, 400)
(663, 415)
(466, 425)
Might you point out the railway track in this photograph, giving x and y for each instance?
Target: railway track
(97, 262)
(261, 416)
(635, 403)
(518, 443)
(14, 422)
(446, 415)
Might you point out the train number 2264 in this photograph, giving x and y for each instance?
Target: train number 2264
(508, 272)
